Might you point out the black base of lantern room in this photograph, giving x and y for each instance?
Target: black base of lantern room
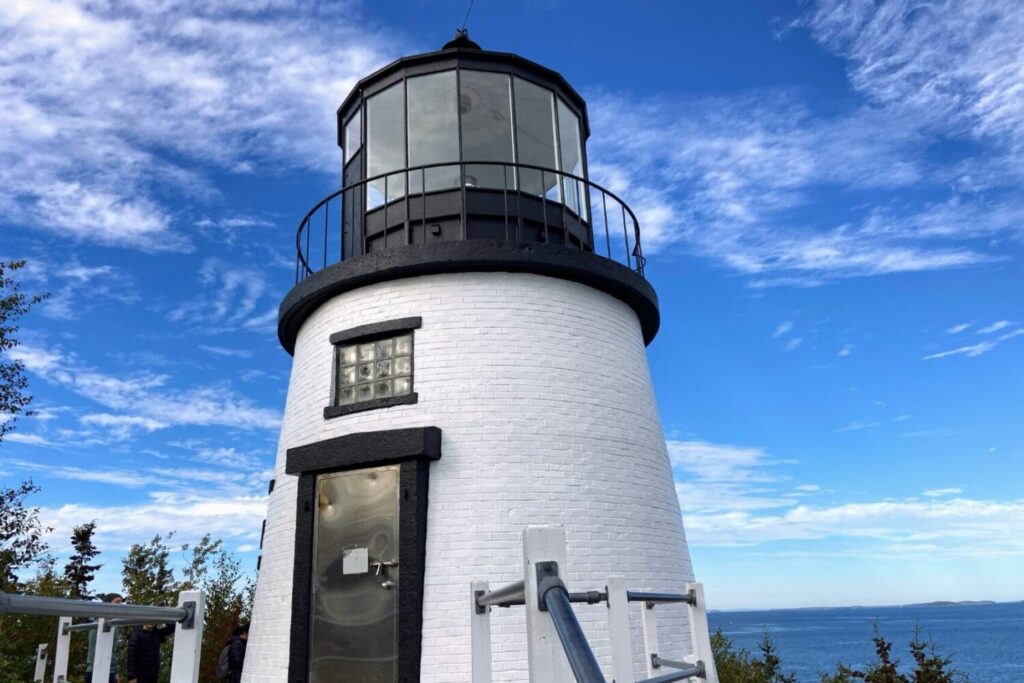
(468, 256)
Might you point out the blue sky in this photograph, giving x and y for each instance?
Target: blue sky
(830, 201)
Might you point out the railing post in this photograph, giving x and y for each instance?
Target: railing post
(480, 629)
(40, 672)
(700, 637)
(60, 658)
(650, 622)
(103, 660)
(188, 639)
(619, 635)
(547, 661)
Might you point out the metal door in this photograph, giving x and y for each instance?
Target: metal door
(355, 578)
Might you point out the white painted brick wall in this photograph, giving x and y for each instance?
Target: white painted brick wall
(543, 394)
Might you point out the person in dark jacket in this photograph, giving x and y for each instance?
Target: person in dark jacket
(236, 652)
(144, 652)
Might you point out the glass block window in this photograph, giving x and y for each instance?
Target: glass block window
(370, 370)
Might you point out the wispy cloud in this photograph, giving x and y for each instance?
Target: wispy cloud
(740, 177)
(845, 351)
(792, 344)
(783, 328)
(225, 352)
(955, 66)
(940, 493)
(970, 351)
(994, 327)
(858, 426)
(735, 495)
(957, 329)
(27, 439)
(108, 109)
(230, 296)
(148, 399)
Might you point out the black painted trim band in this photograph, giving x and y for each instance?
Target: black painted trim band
(365, 449)
(463, 257)
(380, 329)
(372, 404)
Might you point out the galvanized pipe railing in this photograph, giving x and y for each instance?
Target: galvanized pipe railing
(661, 598)
(13, 603)
(584, 199)
(574, 642)
(512, 594)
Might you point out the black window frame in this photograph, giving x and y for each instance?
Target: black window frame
(368, 333)
(412, 450)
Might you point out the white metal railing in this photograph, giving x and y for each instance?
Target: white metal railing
(188, 638)
(557, 650)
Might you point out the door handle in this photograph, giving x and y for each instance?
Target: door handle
(381, 565)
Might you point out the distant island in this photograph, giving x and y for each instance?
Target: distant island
(936, 603)
(952, 603)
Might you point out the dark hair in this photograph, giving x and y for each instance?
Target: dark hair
(110, 597)
(240, 629)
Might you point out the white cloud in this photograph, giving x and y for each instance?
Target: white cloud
(970, 351)
(994, 327)
(226, 353)
(783, 328)
(857, 426)
(735, 495)
(27, 439)
(710, 476)
(149, 398)
(957, 329)
(189, 516)
(953, 65)
(792, 344)
(110, 108)
(229, 298)
(845, 351)
(940, 493)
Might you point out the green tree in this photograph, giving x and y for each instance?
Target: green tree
(78, 572)
(21, 533)
(739, 666)
(14, 398)
(146, 573)
(20, 634)
(929, 666)
(215, 571)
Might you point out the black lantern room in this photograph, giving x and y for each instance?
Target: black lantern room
(445, 151)
(464, 144)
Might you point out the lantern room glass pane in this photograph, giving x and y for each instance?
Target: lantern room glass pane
(535, 136)
(571, 159)
(433, 130)
(385, 144)
(485, 102)
(353, 135)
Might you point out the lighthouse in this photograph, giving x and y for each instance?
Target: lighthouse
(468, 329)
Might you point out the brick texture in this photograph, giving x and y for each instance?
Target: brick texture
(542, 390)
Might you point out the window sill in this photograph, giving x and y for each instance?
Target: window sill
(373, 404)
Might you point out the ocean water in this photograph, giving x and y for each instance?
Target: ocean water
(985, 641)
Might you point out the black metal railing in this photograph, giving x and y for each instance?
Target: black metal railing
(400, 207)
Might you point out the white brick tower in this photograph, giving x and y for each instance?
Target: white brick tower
(468, 328)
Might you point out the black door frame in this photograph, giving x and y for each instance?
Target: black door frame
(412, 450)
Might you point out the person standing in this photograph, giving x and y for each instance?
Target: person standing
(236, 651)
(143, 664)
(90, 655)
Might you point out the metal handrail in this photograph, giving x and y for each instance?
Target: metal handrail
(661, 598)
(574, 642)
(633, 251)
(14, 603)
